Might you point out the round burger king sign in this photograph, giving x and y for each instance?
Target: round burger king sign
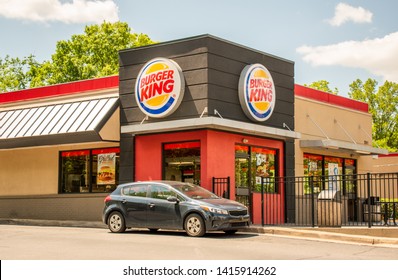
(257, 92)
(159, 87)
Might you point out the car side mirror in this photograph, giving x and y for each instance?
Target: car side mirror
(173, 199)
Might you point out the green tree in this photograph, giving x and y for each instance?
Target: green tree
(323, 86)
(14, 73)
(383, 105)
(89, 55)
(84, 56)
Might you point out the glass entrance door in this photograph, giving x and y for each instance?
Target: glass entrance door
(242, 174)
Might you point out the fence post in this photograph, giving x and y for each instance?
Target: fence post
(369, 209)
(213, 184)
(229, 187)
(262, 201)
(313, 201)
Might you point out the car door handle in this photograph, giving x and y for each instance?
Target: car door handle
(151, 205)
(124, 201)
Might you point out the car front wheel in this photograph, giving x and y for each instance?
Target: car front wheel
(195, 226)
(116, 222)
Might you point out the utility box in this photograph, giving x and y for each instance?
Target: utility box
(329, 208)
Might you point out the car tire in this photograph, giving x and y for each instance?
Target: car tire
(195, 226)
(230, 232)
(116, 222)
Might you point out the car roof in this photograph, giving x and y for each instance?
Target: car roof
(164, 182)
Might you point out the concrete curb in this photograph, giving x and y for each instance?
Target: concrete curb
(324, 235)
(338, 235)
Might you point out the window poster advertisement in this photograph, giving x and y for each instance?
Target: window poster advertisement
(106, 169)
(333, 176)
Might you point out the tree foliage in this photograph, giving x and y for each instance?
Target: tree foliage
(383, 105)
(322, 85)
(14, 73)
(84, 56)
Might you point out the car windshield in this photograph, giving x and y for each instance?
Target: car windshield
(194, 191)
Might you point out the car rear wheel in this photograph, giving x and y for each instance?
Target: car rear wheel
(116, 222)
(195, 226)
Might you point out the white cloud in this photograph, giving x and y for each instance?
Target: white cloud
(379, 56)
(76, 11)
(344, 13)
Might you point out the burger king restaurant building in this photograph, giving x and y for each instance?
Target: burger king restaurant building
(192, 110)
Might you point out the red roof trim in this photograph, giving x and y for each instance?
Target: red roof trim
(389, 155)
(60, 89)
(330, 98)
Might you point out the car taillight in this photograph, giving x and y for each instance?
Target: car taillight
(108, 198)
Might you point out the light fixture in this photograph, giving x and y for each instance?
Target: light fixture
(244, 140)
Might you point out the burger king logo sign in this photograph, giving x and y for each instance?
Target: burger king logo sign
(159, 87)
(257, 92)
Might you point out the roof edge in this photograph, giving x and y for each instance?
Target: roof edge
(60, 89)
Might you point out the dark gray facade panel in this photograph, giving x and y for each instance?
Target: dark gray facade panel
(127, 164)
(220, 93)
(250, 56)
(188, 109)
(231, 111)
(195, 92)
(129, 72)
(127, 101)
(131, 116)
(224, 79)
(278, 119)
(285, 94)
(192, 62)
(225, 64)
(283, 81)
(187, 63)
(196, 77)
(173, 50)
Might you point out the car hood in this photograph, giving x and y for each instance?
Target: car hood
(223, 203)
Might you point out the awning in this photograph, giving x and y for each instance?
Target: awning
(63, 123)
(342, 146)
(211, 122)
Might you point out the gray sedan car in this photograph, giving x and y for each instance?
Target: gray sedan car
(172, 205)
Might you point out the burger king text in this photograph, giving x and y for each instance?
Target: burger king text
(156, 83)
(260, 90)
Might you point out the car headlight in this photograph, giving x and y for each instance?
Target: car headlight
(214, 210)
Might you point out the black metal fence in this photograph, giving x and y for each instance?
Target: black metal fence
(222, 187)
(323, 201)
(343, 200)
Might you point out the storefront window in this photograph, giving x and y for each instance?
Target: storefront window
(87, 171)
(182, 162)
(74, 171)
(262, 168)
(350, 180)
(241, 166)
(313, 168)
(329, 172)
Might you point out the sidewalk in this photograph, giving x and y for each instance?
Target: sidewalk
(381, 236)
(369, 236)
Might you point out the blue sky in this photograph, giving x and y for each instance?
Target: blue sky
(337, 41)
